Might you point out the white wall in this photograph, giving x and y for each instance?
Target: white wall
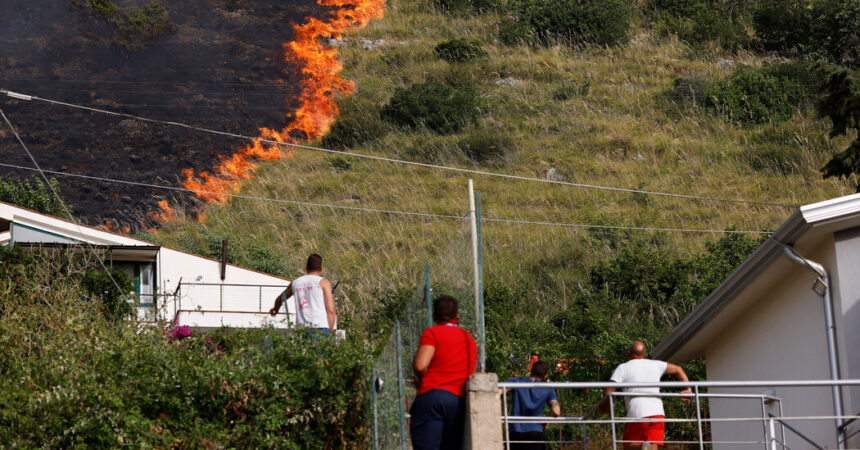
(846, 299)
(781, 337)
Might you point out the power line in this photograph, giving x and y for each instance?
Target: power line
(585, 227)
(392, 160)
(60, 199)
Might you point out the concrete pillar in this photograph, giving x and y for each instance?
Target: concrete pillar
(483, 413)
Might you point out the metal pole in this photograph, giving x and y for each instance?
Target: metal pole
(505, 406)
(401, 393)
(781, 424)
(612, 421)
(772, 434)
(427, 295)
(585, 436)
(473, 222)
(261, 298)
(763, 424)
(373, 404)
(483, 336)
(699, 419)
(286, 307)
(832, 356)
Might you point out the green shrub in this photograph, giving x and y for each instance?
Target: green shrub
(35, 195)
(573, 22)
(72, 378)
(468, 6)
(353, 129)
(825, 29)
(754, 96)
(459, 50)
(134, 29)
(699, 22)
(485, 144)
(434, 105)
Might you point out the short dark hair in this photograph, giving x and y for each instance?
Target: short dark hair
(314, 263)
(540, 369)
(444, 308)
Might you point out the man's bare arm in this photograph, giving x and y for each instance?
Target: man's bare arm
(603, 406)
(678, 372)
(279, 300)
(329, 303)
(554, 408)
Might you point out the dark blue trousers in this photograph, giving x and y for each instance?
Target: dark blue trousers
(437, 421)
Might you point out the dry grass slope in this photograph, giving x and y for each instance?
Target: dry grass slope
(622, 132)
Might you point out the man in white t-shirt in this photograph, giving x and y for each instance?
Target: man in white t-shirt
(313, 296)
(644, 435)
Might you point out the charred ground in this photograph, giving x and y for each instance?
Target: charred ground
(219, 65)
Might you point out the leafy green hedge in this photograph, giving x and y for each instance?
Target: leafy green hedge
(73, 378)
(699, 22)
(459, 50)
(35, 195)
(825, 29)
(437, 106)
(574, 22)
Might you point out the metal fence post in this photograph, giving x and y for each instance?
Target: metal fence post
(480, 318)
(373, 405)
(401, 393)
(699, 419)
(507, 427)
(585, 436)
(612, 421)
(427, 295)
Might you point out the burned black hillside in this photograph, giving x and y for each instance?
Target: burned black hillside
(219, 64)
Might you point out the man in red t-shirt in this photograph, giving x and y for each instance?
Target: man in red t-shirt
(445, 358)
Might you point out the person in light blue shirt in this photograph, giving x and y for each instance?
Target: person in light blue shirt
(531, 402)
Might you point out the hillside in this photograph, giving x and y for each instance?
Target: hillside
(619, 130)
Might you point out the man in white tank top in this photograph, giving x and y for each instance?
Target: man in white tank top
(645, 435)
(313, 297)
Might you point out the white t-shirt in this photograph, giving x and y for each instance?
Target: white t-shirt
(310, 302)
(641, 371)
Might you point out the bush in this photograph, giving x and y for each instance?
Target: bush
(35, 195)
(486, 144)
(574, 22)
(459, 50)
(134, 29)
(74, 379)
(353, 129)
(699, 22)
(572, 91)
(434, 105)
(468, 6)
(825, 29)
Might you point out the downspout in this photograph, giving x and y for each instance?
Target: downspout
(822, 288)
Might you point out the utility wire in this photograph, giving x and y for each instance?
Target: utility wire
(60, 199)
(375, 210)
(391, 160)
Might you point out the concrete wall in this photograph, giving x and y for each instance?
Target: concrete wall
(781, 337)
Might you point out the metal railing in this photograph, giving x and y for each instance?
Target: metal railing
(774, 427)
(227, 298)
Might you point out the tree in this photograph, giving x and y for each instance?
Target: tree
(841, 105)
(35, 195)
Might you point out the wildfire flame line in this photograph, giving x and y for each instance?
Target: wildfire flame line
(317, 107)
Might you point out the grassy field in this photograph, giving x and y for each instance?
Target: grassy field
(597, 116)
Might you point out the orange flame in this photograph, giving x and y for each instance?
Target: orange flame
(167, 213)
(317, 109)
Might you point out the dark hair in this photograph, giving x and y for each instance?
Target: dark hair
(540, 369)
(444, 308)
(314, 263)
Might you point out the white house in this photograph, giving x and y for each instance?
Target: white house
(169, 284)
(767, 321)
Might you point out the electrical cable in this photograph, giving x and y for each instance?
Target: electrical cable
(381, 211)
(390, 160)
(60, 199)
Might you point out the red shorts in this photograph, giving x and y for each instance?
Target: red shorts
(640, 432)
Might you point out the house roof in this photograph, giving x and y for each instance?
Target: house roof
(98, 236)
(804, 229)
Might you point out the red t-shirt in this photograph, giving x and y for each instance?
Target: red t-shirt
(453, 360)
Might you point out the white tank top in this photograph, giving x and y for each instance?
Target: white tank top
(310, 302)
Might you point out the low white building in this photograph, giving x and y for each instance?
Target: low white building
(169, 284)
(767, 321)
